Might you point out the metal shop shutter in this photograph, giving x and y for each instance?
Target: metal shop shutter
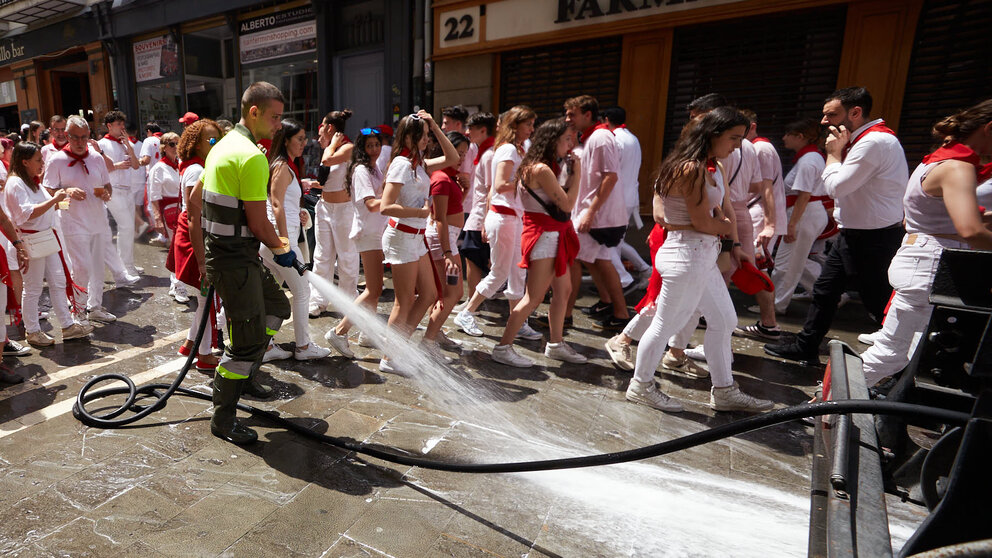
(543, 77)
(781, 66)
(950, 69)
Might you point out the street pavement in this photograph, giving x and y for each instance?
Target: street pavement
(167, 487)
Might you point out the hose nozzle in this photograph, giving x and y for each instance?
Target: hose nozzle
(301, 267)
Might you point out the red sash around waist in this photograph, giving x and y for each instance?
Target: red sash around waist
(537, 223)
(503, 210)
(790, 200)
(405, 228)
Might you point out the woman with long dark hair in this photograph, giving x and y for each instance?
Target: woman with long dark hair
(502, 228)
(364, 182)
(697, 213)
(286, 215)
(549, 243)
(196, 142)
(942, 211)
(32, 210)
(406, 201)
(445, 225)
(334, 214)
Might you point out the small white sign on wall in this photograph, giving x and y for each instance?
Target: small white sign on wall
(459, 27)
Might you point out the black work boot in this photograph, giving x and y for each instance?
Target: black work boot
(224, 423)
(255, 388)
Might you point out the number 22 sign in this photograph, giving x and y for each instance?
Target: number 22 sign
(459, 27)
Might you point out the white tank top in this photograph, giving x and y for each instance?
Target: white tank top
(290, 206)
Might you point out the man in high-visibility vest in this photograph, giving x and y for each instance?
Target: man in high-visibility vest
(234, 224)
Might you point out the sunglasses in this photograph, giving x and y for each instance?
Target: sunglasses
(369, 131)
(171, 143)
(414, 117)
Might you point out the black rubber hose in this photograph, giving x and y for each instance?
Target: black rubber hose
(735, 428)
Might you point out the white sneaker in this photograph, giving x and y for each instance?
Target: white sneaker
(314, 311)
(504, 354)
(684, 366)
(275, 352)
(159, 240)
(386, 365)
(731, 398)
(805, 295)
(312, 352)
(528, 333)
(647, 393)
(564, 352)
(622, 354)
(100, 315)
(869, 338)
(39, 339)
(696, 353)
(135, 270)
(339, 343)
(466, 321)
(365, 340)
(180, 294)
(128, 281)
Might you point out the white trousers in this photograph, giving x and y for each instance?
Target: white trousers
(911, 276)
(87, 256)
(301, 290)
(625, 277)
(691, 280)
(792, 257)
(504, 232)
(638, 326)
(202, 313)
(48, 269)
(333, 223)
(121, 206)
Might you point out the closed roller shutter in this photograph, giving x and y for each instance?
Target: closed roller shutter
(544, 77)
(950, 69)
(780, 66)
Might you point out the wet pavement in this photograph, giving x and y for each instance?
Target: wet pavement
(167, 487)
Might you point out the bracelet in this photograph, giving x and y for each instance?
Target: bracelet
(447, 252)
(737, 245)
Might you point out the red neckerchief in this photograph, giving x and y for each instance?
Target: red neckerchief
(347, 140)
(584, 136)
(759, 138)
(187, 164)
(985, 173)
(169, 162)
(81, 159)
(158, 134)
(956, 151)
(622, 126)
(879, 127)
(555, 168)
(57, 146)
(405, 152)
(810, 148)
(711, 165)
(37, 180)
(294, 168)
(483, 147)
(112, 138)
(452, 172)
(132, 139)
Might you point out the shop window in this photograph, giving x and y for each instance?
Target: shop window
(780, 66)
(948, 71)
(210, 73)
(298, 82)
(543, 78)
(156, 66)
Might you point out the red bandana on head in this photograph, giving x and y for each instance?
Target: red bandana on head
(483, 147)
(811, 148)
(584, 136)
(81, 159)
(187, 164)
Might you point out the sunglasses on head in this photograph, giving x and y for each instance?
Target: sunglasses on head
(414, 117)
(369, 131)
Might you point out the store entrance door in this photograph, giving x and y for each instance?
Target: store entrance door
(359, 87)
(71, 92)
(9, 119)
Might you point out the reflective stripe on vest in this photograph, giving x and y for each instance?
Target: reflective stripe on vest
(219, 229)
(224, 215)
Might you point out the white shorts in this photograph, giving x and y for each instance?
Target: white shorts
(11, 253)
(366, 242)
(434, 241)
(545, 247)
(400, 247)
(590, 250)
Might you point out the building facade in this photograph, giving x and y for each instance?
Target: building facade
(921, 59)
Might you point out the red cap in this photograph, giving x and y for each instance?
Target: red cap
(385, 129)
(750, 279)
(189, 118)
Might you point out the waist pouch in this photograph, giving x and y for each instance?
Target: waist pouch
(608, 236)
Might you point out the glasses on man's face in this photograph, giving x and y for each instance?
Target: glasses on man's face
(212, 141)
(83, 137)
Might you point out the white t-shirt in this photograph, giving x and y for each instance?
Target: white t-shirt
(468, 167)
(85, 216)
(150, 148)
(598, 156)
(416, 188)
(479, 194)
(189, 177)
(749, 173)
(383, 161)
(117, 153)
(505, 152)
(871, 182)
(163, 182)
(806, 175)
(630, 166)
(19, 202)
(771, 169)
(140, 174)
(365, 185)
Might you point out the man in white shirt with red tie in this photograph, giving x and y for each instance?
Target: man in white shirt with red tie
(118, 147)
(82, 173)
(600, 214)
(866, 173)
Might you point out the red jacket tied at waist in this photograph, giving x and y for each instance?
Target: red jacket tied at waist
(536, 223)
